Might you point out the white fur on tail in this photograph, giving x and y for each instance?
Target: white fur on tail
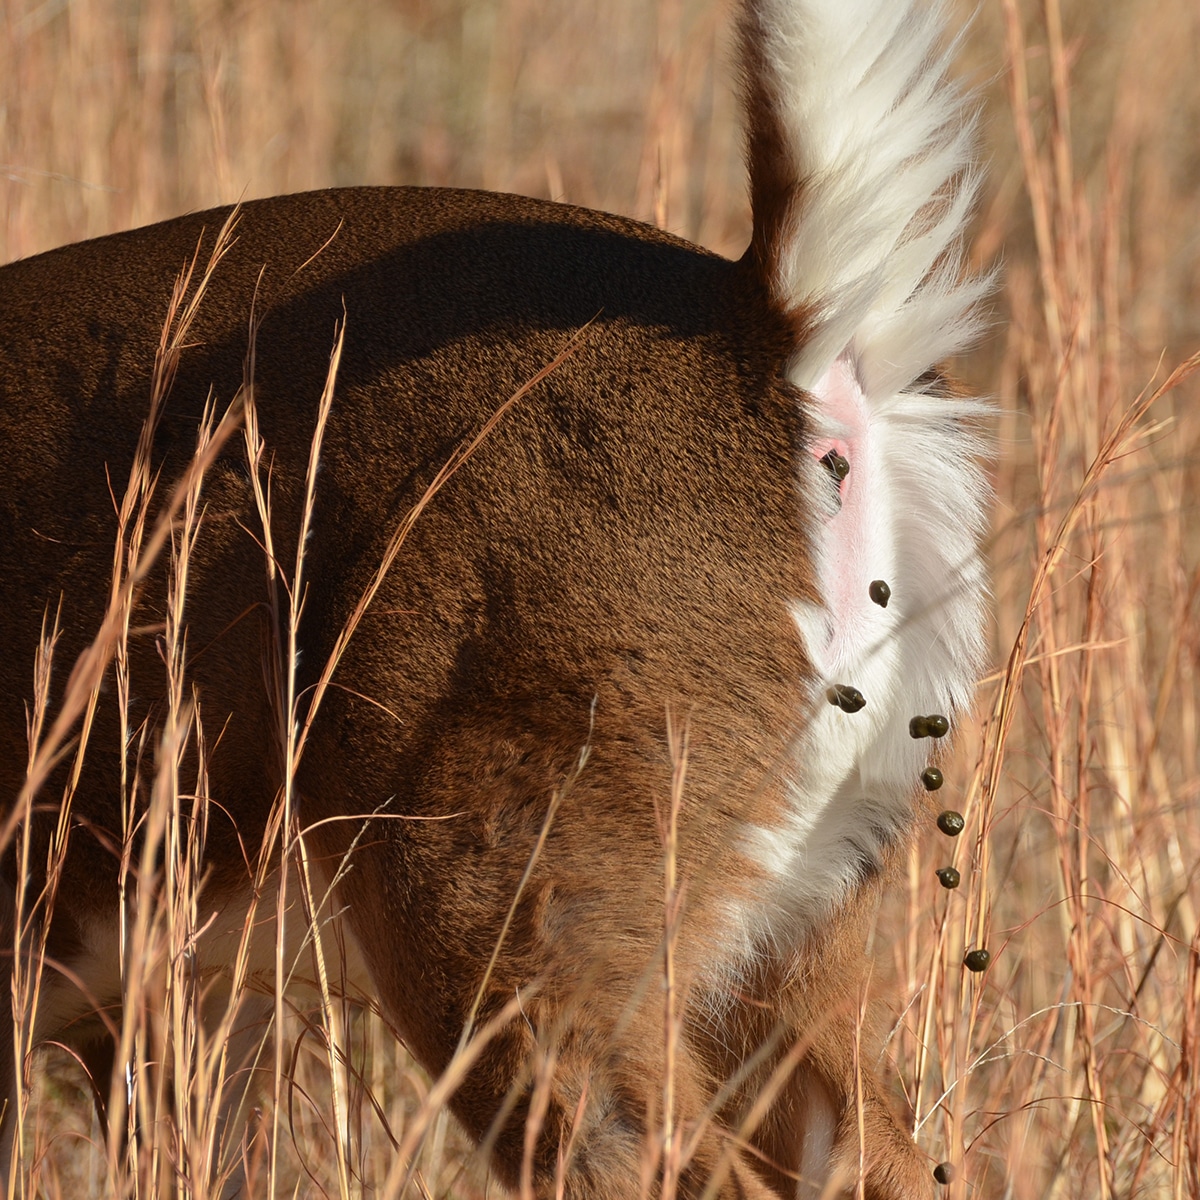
(862, 180)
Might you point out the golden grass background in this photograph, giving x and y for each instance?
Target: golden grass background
(1071, 1068)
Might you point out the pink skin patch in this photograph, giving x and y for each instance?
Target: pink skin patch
(856, 540)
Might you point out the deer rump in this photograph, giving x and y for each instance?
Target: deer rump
(623, 546)
(641, 584)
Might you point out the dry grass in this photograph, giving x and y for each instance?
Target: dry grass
(1068, 1069)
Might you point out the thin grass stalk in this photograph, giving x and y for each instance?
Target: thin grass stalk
(184, 859)
(461, 455)
(333, 1024)
(1187, 1114)
(82, 692)
(673, 899)
(288, 825)
(160, 1032)
(401, 1171)
(565, 1150)
(140, 556)
(541, 1094)
(860, 1187)
(26, 979)
(87, 671)
(178, 899)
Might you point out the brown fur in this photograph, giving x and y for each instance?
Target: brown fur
(624, 546)
(776, 186)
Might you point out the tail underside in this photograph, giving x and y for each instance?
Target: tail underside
(862, 179)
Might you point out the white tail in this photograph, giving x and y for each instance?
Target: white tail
(712, 561)
(862, 179)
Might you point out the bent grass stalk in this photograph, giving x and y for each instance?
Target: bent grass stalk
(1084, 863)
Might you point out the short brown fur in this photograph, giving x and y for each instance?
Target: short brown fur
(621, 551)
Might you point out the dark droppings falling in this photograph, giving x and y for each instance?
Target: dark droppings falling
(932, 726)
(951, 823)
(977, 960)
(838, 465)
(848, 699)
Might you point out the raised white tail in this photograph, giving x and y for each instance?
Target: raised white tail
(714, 561)
(862, 178)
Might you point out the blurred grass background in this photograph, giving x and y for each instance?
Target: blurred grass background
(1072, 1067)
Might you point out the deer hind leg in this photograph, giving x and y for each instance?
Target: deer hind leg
(829, 1126)
(825, 1134)
(460, 917)
(814, 1108)
(588, 1125)
(862, 1135)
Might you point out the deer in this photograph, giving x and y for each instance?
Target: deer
(640, 587)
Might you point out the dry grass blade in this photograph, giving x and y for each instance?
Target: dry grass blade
(1069, 1069)
(1117, 445)
(87, 671)
(459, 458)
